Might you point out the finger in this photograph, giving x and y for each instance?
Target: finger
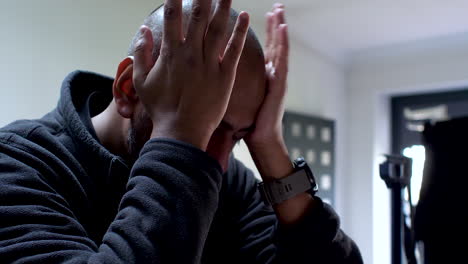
(278, 5)
(275, 6)
(236, 43)
(269, 34)
(278, 18)
(282, 55)
(143, 55)
(198, 23)
(172, 33)
(216, 36)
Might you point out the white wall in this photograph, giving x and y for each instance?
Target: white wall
(372, 77)
(42, 41)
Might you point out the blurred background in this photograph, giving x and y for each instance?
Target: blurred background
(350, 61)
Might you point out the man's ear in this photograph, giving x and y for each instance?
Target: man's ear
(124, 93)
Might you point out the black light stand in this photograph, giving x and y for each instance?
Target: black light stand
(396, 172)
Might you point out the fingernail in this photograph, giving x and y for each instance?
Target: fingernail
(278, 5)
(244, 16)
(270, 15)
(279, 10)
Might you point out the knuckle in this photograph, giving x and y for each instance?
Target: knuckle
(167, 54)
(225, 3)
(241, 30)
(196, 13)
(234, 47)
(170, 13)
(139, 47)
(215, 31)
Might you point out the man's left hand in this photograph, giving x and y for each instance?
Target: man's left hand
(266, 142)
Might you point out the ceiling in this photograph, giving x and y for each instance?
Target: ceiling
(340, 28)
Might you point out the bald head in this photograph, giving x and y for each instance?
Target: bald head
(252, 53)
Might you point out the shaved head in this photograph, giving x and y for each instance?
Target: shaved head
(252, 52)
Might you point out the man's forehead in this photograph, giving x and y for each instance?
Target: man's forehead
(246, 98)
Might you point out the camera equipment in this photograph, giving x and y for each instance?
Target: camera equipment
(396, 172)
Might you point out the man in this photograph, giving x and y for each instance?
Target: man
(136, 169)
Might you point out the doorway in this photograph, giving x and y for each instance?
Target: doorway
(410, 113)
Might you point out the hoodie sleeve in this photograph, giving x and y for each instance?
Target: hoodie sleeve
(316, 239)
(164, 216)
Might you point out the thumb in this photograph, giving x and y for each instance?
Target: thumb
(143, 61)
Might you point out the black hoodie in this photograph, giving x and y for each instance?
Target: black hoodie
(64, 198)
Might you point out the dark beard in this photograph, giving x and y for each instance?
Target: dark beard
(139, 133)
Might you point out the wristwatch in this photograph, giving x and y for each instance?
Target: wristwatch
(300, 181)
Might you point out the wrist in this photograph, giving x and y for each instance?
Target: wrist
(196, 138)
(265, 141)
(272, 160)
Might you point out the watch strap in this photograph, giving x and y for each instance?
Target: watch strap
(278, 191)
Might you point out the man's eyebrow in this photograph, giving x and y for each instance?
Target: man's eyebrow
(231, 127)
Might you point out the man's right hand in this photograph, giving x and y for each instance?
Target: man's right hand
(187, 90)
